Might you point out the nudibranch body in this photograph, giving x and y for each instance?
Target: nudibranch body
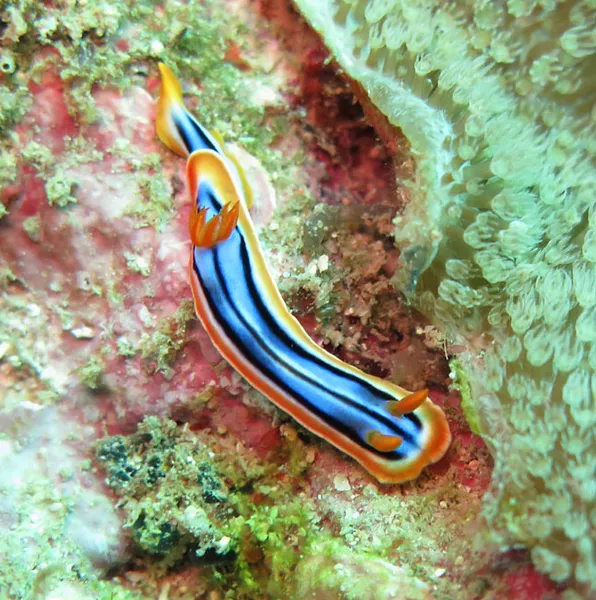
(391, 432)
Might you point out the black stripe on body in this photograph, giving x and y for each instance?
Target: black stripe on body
(257, 335)
(193, 134)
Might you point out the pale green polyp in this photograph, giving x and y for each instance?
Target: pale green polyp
(498, 241)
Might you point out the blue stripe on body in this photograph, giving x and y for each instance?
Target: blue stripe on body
(345, 402)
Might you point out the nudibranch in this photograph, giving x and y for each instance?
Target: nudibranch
(391, 432)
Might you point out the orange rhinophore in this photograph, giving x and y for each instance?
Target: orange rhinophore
(205, 234)
(408, 404)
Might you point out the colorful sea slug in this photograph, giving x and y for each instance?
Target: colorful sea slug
(391, 432)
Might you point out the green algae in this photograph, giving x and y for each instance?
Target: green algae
(8, 169)
(31, 226)
(14, 104)
(59, 189)
(155, 206)
(115, 298)
(125, 347)
(278, 531)
(175, 501)
(39, 156)
(462, 385)
(173, 497)
(137, 264)
(257, 535)
(161, 347)
(59, 185)
(90, 374)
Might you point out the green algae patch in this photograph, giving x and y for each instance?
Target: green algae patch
(40, 157)
(137, 264)
(31, 226)
(14, 104)
(59, 190)
(60, 187)
(155, 206)
(178, 498)
(90, 374)
(334, 570)
(160, 348)
(462, 385)
(8, 170)
(173, 498)
(125, 347)
(277, 535)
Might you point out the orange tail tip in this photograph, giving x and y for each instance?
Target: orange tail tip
(170, 96)
(407, 404)
(170, 84)
(205, 234)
